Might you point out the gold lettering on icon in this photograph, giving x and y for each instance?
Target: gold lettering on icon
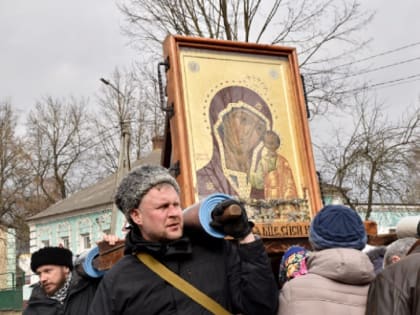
(282, 229)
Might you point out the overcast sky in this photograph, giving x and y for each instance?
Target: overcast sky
(62, 48)
(58, 48)
(395, 26)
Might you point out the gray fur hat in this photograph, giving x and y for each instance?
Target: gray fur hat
(137, 183)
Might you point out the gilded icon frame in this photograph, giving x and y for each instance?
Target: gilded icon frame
(240, 127)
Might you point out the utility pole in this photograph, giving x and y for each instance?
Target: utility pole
(124, 158)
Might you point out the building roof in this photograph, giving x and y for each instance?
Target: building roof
(97, 195)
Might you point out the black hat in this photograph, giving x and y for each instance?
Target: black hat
(52, 256)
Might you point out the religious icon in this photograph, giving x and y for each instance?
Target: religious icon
(239, 128)
(245, 161)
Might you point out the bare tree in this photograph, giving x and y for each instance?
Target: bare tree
(372, 162)
(326, 33)
(14, 173)
(413, 187)
(126, 102)
(115, 112)
(57, 136)
(151, 118)
(328, 36)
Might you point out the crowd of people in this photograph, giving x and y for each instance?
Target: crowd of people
(171, 268)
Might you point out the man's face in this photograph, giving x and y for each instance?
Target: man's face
(159, 215)
(52, 277)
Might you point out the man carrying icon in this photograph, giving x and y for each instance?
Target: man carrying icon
(227, 277)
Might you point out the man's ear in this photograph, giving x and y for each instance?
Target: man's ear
(395, 259)
(136, 216)
(66, 270)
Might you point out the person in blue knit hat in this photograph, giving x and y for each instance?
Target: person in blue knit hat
(339, 273)
(337, 226)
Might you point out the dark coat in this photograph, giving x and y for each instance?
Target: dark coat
(237, 277)
(78, 300)
(376, 256)
(396, 290)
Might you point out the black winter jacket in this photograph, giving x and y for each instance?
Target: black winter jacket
(396, 290)
(239, 277)
(78, 300)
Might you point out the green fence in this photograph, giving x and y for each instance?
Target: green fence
(11, 295)
(11, 299)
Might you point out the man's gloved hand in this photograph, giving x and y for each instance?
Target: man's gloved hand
(230, 218)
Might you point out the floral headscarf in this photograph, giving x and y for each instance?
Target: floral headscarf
(293, 263)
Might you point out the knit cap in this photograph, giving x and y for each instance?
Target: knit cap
(337, 226)
(58, 256)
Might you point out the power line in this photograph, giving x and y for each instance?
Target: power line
(389, 83)
(380, 54)
(396, 80)
(399, 83)
(95, 143)
(321, 72)
(384, 83)
(378, 68)
(99, 141)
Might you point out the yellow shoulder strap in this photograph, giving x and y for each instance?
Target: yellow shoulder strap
(182, 285)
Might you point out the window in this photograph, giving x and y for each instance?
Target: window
(65, 242)
(45, 243)
(86, 243)
(85, 232)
